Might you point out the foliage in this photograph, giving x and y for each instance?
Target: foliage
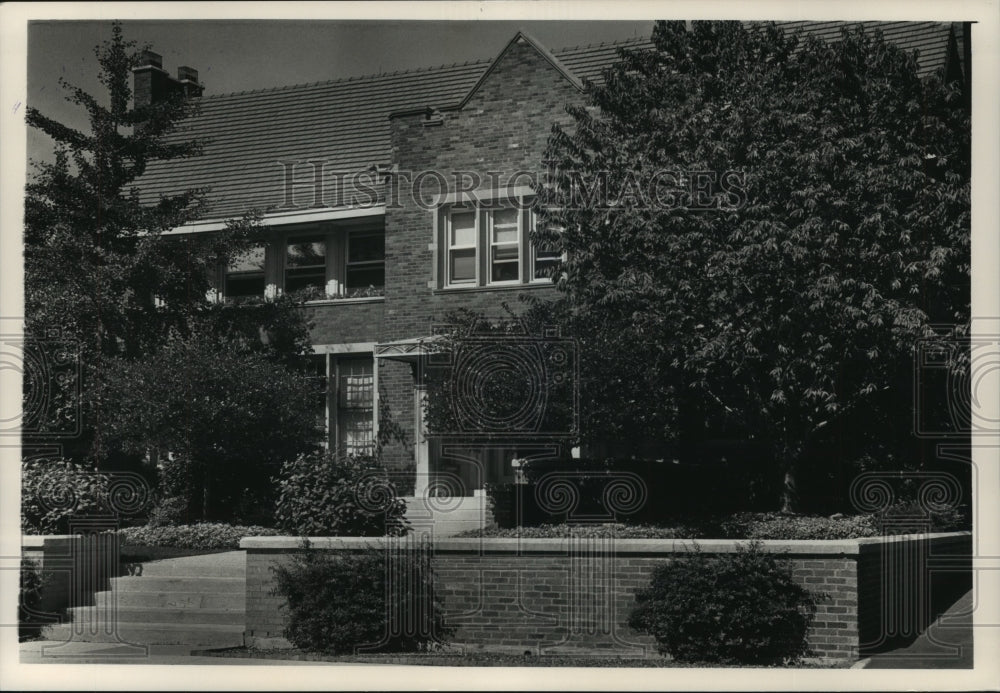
(902, 518)
(617, 530)
(169, 511)
(740, 608)
(31, 584)
(95, 259)
(229, 414)
(635, 491)
(783, 302)
(323, 494)
(161, 364)
(783, 526)
(202, 535)
(507, 399)
(97, 266)
(369, 600)
(54, 491)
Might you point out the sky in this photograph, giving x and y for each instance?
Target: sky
(243, 55)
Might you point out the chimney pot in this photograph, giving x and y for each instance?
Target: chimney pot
(184, 72)
(151, 58)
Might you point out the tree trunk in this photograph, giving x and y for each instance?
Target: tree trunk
(790, 492)
(206, 483)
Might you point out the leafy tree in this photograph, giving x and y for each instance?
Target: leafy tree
(228, 415)
(782, 299)
(165, 370)
(97, 266)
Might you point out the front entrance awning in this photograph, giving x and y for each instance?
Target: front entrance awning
(409, 350)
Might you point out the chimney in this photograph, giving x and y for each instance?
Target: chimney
(151, 83)
(187, 77)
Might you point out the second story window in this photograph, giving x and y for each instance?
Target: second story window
(365, 266)
(245, 276)
(489, 244)
(305, 263)
(545, 259)
(462, 237)
(505, 245)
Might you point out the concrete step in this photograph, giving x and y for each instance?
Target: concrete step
(235, 599)
(156, 583)
(133, 614)
(447, 528)
(173, 568)
(196, 635)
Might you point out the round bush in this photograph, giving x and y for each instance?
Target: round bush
(341, 603)
(740, 608)
(55, 490)
(329, 495)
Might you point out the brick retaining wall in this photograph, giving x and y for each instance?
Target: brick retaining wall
(553, 596)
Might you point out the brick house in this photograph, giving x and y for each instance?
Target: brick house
(341, 170)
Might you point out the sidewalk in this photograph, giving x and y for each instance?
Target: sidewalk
(49, 652)
(946, 644)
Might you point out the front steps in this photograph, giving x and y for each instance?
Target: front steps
(446, 516)
(195, 601)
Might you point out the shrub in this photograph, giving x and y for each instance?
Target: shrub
(607, 529)
(741, 608)
(206, 535)
(170, 511)
(55, 490)
(370, 600)
(30, 594)
(776, 525)
(914, 516)
(329, 495)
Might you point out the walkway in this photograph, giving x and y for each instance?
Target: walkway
(946, 644)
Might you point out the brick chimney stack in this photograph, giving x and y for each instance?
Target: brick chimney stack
(151, 83)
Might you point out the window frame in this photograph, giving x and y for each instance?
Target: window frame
(335, 436)
(450, 247)
(533, 278)
(262, 273)
(348, 263)
(485, 206)
(491, 244)
(292, 239)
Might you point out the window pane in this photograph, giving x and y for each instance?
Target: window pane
(296, 279)
(355, 406)
(365, 276)
(544, 268)
(366, 247)
(505, 226)
(463, 265)
(303, 252)
(242, 286)
(505, 252)
(504, 272)
(463, 229)
(250, 261)
(316, 372)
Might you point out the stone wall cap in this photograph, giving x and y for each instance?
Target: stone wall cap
(562, 544)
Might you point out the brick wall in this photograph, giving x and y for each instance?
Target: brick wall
(345, 322)
(556, 595)
(502, 128)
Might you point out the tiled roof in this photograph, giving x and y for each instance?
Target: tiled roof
(345, 122)
(929, 38)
